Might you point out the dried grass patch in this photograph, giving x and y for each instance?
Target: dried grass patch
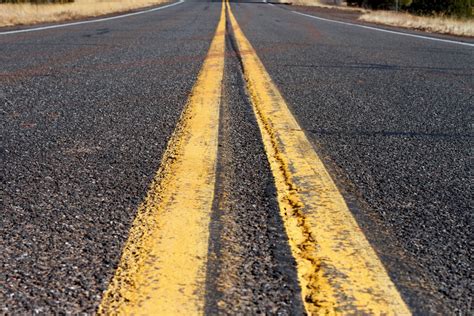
(444, 25)
(25, 13)
(328, 4)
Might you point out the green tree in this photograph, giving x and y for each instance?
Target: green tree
(461, 8)
(373, 4)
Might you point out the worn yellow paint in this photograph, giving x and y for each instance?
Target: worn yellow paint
(338, 271)
(163, 265)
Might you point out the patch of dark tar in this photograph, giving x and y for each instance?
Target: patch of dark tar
(251, 270)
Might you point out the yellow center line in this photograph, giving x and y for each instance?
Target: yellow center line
(162, 270)
(338, 270)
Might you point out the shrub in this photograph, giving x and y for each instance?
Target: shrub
(377, 4)
(355, 2)
(461, 8)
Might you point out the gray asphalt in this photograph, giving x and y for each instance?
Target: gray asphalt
(87, 112)
(86, 115)
(251, 270)
(392, 117)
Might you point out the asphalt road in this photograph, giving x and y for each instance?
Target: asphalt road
(392, 116)
(87, 112)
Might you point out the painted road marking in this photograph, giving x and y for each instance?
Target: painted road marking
(89, 21)
(338, 270)
(387, 31)
(163, 266)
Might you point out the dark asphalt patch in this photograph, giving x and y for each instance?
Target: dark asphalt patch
(251, 270)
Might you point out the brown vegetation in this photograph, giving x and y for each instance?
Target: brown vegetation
(436, 24)
(26, 13)
(329, 4)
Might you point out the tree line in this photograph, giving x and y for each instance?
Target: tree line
(460, 8)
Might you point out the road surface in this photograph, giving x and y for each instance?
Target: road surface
(102, 120)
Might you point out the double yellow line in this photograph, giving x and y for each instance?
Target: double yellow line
(163, 267)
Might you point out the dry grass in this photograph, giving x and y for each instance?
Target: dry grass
(444, 25)
(329, 4)
(25, 13)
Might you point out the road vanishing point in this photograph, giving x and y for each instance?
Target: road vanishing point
(235, 158)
